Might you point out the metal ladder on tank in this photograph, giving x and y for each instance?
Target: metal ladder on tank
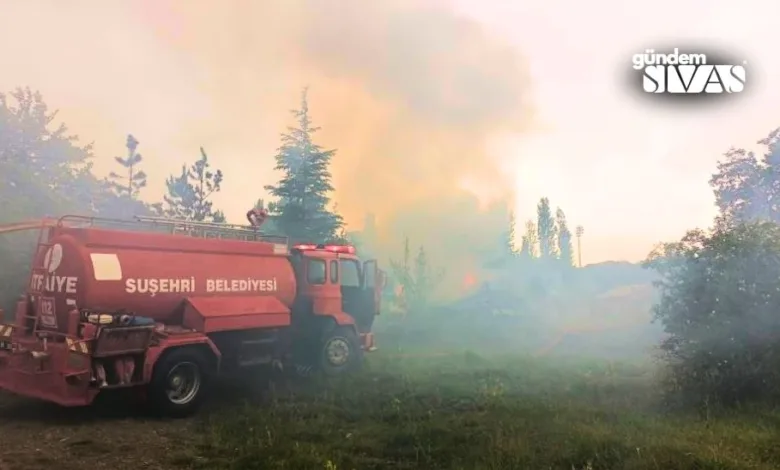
(37, 267)
(212, 230)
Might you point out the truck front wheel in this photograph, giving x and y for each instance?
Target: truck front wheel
(178, 383)
(340, 351)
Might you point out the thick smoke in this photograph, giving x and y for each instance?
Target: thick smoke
(409, 92)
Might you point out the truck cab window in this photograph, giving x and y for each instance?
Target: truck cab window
(350, 273)
(334, 272)
(316, 271)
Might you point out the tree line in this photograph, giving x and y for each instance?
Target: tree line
(47, 171)
(301, 205)
(547, 239)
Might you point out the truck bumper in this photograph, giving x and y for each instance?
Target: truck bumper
(46, 375)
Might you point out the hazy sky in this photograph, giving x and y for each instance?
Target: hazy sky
(496, 98)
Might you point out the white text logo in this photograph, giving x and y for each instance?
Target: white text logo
(685, 73)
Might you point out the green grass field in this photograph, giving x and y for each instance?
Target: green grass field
(469, 412)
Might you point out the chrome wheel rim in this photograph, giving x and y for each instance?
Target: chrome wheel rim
(337, 351)
(183, 383)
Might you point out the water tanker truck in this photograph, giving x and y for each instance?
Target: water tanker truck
(164, 306)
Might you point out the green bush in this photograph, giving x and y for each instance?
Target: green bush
(720, 306)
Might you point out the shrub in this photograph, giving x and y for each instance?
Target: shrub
(720, 306)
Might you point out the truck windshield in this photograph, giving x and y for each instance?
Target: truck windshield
(350, 274)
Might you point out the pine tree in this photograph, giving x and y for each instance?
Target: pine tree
(188, 194)
(564, 239)
(545, 225)
(133, 180)
(303, 192)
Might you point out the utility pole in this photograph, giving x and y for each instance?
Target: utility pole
(579, 231)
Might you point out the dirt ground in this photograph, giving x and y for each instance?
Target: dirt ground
(38, 435)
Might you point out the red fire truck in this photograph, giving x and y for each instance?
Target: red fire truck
(165, 306)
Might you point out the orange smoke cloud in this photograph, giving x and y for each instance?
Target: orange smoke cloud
(408, 92)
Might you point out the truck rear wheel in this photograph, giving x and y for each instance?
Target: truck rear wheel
(340, 351)
(179, 383)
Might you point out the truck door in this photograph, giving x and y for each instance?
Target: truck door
(312, 289)
(373, 281)
(299, 268)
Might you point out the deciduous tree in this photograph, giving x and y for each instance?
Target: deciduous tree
(718, 303)
(746, 186)
(45, 172)
(45, 169)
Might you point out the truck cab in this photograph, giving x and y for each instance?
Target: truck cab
(333, 282)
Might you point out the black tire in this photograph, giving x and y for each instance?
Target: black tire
(340, 352)
(184, 363)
